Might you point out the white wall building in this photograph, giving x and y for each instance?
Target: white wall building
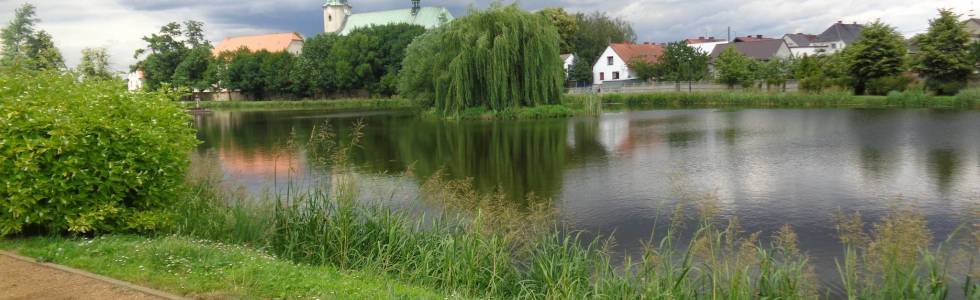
(613, 64)
(838, 37)
(705, 45)
(567, 61)
(134, 81)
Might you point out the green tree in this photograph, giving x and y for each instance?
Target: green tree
(878, 52)
(244, 72)
(974, 52)
(497, 59)
(595, 32)
(566, 24)
(682, 63)
(95, 64)
(192, 70)
(643, 69)
(314, 64)
(168, 50)
(775, 72)
(20, 44)
(943, 57)
(734, 68)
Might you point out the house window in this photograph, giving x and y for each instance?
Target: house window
(602, 76)
(833, 46)
(609, 60)
(329, 18)
(615, 75)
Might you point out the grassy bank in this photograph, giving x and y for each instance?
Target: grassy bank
(966, 100)
(332, 104)
(205, 269)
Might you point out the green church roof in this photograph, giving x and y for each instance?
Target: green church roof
(428, 17)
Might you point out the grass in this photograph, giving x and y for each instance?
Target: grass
(338, 104)
(968, 99)
(205, 269)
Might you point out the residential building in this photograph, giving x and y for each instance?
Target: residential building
(762, 50)
(801, 44)
(750, 38)
(567, 61)
(838, 36)
(338, 17)
(134, 81)
(706, 45)
(973, 27)
(291, 42)
(613, 64)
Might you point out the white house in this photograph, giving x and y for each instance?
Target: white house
(134, 81)
(706, 45)
(613, 64)
(838, 36)
(801, 44)
(567, 60)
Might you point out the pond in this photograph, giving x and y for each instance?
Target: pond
(620, 173)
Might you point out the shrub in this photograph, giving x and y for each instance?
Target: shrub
(87, 157)
(945, 87)
(884, 85)
(813, 84)
(967, 98)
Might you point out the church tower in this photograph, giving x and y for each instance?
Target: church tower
(335, 13)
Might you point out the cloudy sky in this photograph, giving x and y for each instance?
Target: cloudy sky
(118, 25)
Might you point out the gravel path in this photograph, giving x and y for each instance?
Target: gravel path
(21, 279)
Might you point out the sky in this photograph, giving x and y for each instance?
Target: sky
(119, 25)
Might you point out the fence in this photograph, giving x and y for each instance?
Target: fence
(654, 87)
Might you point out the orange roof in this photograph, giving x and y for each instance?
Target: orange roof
(276, 42)
(629, 51)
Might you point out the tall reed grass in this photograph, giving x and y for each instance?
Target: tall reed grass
(831, 99)
(481, 246)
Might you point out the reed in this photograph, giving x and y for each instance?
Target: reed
(760, 99)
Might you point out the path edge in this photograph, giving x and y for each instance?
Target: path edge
(113, 281)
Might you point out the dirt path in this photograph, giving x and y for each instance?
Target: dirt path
(21, 279)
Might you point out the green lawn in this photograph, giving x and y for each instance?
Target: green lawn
(199, 268)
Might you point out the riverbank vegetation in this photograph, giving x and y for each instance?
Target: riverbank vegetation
(358, 104)
(966, 99)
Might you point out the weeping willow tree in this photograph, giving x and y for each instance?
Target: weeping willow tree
(499, 58)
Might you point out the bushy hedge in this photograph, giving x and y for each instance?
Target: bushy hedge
(87, 156)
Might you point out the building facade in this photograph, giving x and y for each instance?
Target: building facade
(613, 64)
(338, 17)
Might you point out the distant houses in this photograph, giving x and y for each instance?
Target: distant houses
(613, 64)
(801, 44)
(973, 27)
(567, 61)
(706, 45)
(290, 42)
(838, 36)
(759, 49)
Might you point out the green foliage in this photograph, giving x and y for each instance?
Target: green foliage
(22, 46)
(943, 57)
(643, 69)
(681, 63)
(878, 52)
(566, 24)
(499, 58)
(968, 98)
(884, 85)
(314, 65)
(87, 157)
(775, 72)
(243, 71)
(95, 64)
(175, 48)
(734, 68)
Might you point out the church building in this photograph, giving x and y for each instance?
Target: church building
(337, 17)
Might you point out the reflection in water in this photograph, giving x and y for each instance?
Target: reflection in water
(620, 172)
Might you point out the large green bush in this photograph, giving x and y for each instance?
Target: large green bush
(87, 156)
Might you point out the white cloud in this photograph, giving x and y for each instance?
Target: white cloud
(119, 25)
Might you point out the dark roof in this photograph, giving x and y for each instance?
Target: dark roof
(840, 32)
(750, 38)
(702, 40)
(764, 49)
(802, 39)
(628, 52)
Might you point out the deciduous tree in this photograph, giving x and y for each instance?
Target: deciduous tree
(734, 68)
(878, 52)
(95, 64)
(943, 57)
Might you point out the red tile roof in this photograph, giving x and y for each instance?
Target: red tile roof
(275, 42)
(648, 52)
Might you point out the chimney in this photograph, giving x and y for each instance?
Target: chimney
(646, 43)
(840, 22)
(711, 38)
(700, 38)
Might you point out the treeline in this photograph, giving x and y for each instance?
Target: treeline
(25, 47)
(367, 60)
(586, 36)
(880, 61)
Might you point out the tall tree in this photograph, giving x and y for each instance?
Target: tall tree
(167, 50)
(775, 72)
(734, 68)
(95, 64)
(682, 63)
(595, 32)
(20, 44)
(878, 52)
(18, 35)
(566, 24)
(315, 66)
(192, 70)
(943, 57)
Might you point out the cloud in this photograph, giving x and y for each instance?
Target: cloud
(119, 25)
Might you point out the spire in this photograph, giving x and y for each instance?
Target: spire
(416, 6)
(335, 2)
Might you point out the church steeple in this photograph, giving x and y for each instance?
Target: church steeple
(335, 13)
(416, 6)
